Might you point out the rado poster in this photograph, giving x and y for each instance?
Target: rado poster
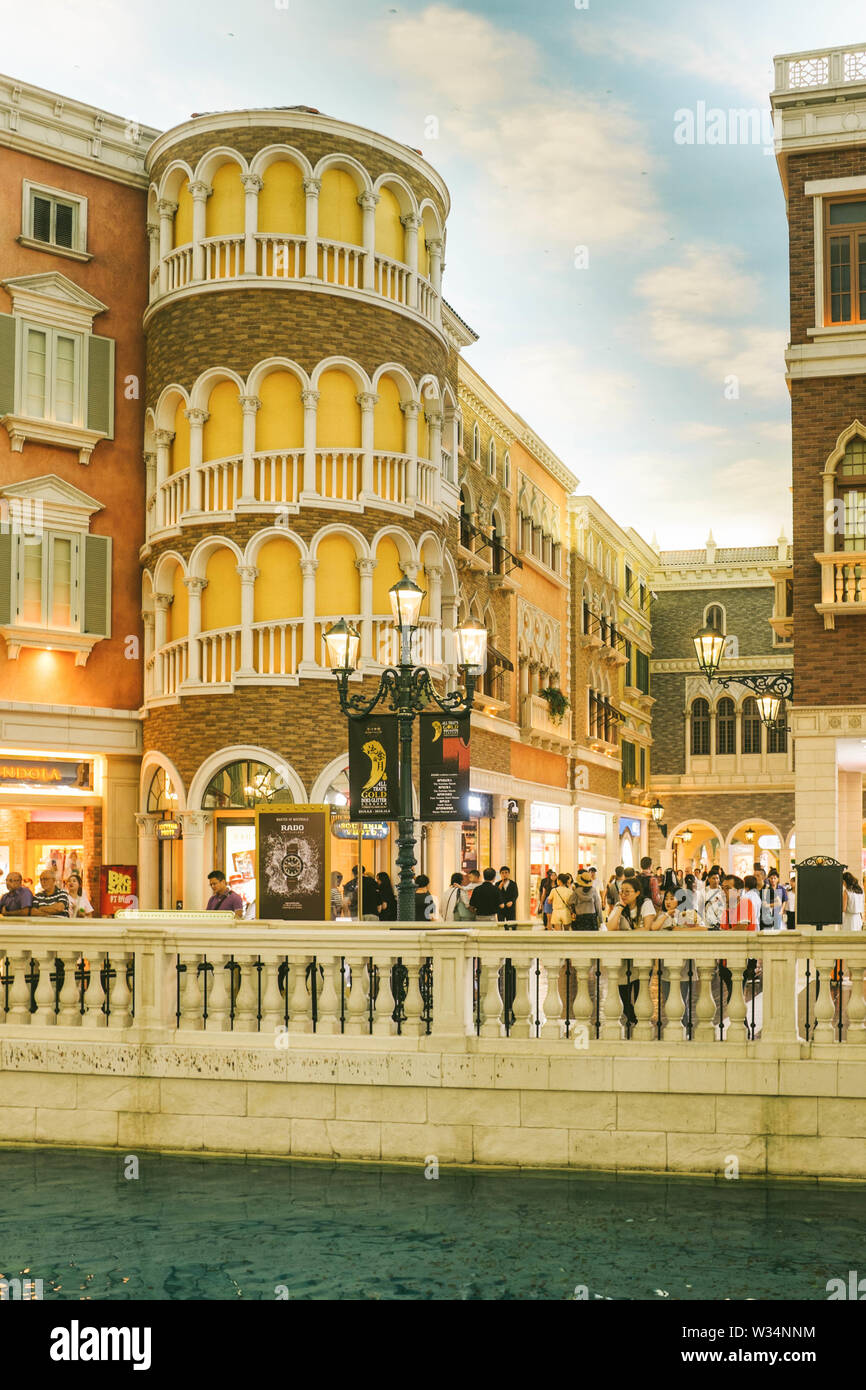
(374, 772)
(292, 864)
(444, 765)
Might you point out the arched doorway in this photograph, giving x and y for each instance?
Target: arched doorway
(232, 794)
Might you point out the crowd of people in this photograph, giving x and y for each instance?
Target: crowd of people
(471, 897)
(51, 899)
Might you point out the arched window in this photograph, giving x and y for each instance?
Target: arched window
(714, 617)
(700, 728)
(245, 784)
(491, 458)
(459, 419)
(161, 796)
(777, 734)
(751, 726)
(726, 727)
(851, 489)
(586, 617)
(465, 520)
(476, 442)
(496, 544)
(506, 469)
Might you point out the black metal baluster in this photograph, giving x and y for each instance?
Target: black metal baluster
(259, 968)
(476, 987)
(106, 975)
(203, 970)
(314, 994)
(6, 980)
(371, 994)
(178, 969)
(568, 1019)
(130, 983)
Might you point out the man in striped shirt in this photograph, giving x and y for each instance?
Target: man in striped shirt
(51, 900)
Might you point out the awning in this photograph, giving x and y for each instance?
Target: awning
(499, 659)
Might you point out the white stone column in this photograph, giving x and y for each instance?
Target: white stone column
(312, 189)
(434, 419)
(148, 861)
(200, 191)
(162, 440)
(450, 437)
(410, 409)
(166, 210)
(434, 650)
(815, 793)
(153, 260)
(436, 267)
(250, 405)
(197, 418)
(367, 202)
(196, 826)
(194, 587)
(412, 222)
(148, 619)
(248, 574)
(366, 568)
(310, 400)
(367, 400)
(310, 656)
(252, 188)
(828, 477)
(161, 605)
(435, 861)
(850, 816)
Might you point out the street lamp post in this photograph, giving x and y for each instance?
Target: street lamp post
(770, 688)
(409, 689)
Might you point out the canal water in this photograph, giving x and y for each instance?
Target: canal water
(190, 1228)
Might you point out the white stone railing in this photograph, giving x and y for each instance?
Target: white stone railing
(392, 279)
(178, 268)
(277, 647)
(338, 474)
(172, 500)
(173, 666)
(537, 718)
(278, 476)
(280, 257)
(391, 477)
(821, 67)
(220, 655)
(341, 263)
(208, 974)
(220, 484)
(223, 257)
(843, 583)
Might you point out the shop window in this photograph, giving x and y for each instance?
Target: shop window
(245, 784)
(700, 728)
(161, 796)
(751, 726)
(726, 728)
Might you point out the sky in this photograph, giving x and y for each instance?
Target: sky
(628, 282)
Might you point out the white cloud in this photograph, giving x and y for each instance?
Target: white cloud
(719, 59)
(557, 163)
(698, 312)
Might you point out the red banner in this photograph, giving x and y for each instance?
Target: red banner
(118, 887)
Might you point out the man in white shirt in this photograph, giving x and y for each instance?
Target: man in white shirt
(714, 903)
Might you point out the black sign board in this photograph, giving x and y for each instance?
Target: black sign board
(292, 864)
(444, 766)
(374, 771)
(819, 891)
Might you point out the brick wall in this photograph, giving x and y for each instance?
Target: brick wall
(724, 810)
(237, 328)
(669, 739)
(678, 614)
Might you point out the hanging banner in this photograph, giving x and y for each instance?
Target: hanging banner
(293, 864)
(444, 766)
(118, 888)
(374, 770)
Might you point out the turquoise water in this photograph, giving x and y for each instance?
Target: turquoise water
(192, 1228)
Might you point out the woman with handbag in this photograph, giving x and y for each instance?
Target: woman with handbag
(561, 914)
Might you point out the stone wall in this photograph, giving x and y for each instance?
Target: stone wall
(490, 1104)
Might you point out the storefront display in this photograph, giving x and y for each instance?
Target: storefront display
(591, 830)
(476, 834)
(544, 846)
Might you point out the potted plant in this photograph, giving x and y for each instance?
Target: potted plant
(557, 702)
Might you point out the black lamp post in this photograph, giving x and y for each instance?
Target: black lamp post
(770, 689)
(410, 690)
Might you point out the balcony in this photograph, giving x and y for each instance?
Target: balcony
(539, 727)
(820, 67)
(843, 585)
(308, 262)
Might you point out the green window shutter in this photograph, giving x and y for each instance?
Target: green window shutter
(5, 573)
(100, 385)
(7, 364)
(97, 585)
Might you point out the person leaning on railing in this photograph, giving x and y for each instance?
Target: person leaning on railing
(634, 912)
(678, 914)
(17, 900)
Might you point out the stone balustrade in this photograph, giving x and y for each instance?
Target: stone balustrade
(789, 993)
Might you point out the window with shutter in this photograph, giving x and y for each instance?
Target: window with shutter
(100, 385)
(5, 575)
(7, 364)
(97, 585)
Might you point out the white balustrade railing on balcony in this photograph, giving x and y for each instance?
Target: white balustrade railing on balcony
(220, 655)
(220, 484)
(223, 257)
(426, 483)
(426, 298)
(280, 257)
(843, 577)
(390, 477)
(662, 993)
(340, 263)
(277, 647)
(173, 666)
(427, 642)
(391, 279)
(338, 474)
(278, 476)
(537, 717)
(173, 499)
(178, 268)
(826, 67)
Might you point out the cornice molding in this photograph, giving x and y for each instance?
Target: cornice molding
(772, 661)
